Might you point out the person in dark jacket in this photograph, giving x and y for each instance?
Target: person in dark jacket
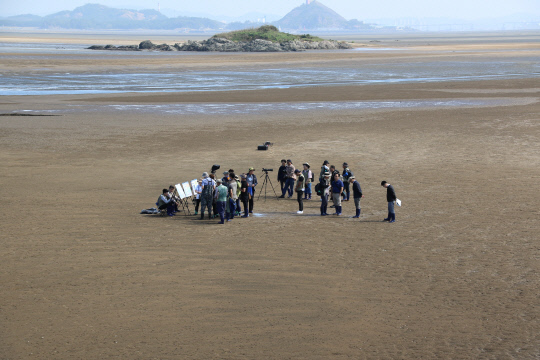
(244, 195)
(324, 185)
(357, 195)
(391, 199)
(282, 174)
(347, 174)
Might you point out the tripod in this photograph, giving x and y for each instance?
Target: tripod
(265, 183)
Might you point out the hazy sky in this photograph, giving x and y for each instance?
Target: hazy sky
(350, 9)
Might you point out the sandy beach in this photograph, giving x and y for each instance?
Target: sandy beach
(85, 276)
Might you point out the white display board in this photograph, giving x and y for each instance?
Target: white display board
(194, 184)
(187, 189)
(180, 191)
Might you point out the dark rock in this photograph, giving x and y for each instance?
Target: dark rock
(146, 45)
(96, 47)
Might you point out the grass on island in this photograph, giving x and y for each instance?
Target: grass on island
(266, 32)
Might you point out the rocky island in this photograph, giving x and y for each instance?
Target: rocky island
(263, 39)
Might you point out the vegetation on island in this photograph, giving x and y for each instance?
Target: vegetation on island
(265, 32)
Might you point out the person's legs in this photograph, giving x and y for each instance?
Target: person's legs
(391, 212)
(251, 205)
(221, 211)
(337, 203)
(197, 202)
(347, 190)
(357, 206)
(232, 207)
(324, 204)
(290, 186)
(300, 200)
(238, 208)
(245, 204)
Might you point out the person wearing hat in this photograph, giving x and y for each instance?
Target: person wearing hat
(221, 199)
(324, 186)
(198, 192)
(337, 189)
(244, 194)
(357, 195)
(231, 197)
(282, 174)
(225, 178)
(165, 201)
(207, 194)
(238, 192)
(391, 199)
(291, 178)
(324, 168)
(308, 176)
(346, 176)
(251, 179)
(299, 188)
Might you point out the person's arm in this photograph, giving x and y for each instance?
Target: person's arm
(255, 183)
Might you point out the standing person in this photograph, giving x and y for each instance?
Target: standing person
(244, 195)
(391, 198)
(165, 201)
(291, 178)
(347, 173)
(225, 179)
(299, 189)
(207, 194)
(198, 192)
(238, 191)
(337, 189)
(251, 179)
(221, 200)
(282, 174)
(357, 195)
(308, 178)
(324, 169)
(333, 173)
(232, 197)
(324, 186)
(214, 205)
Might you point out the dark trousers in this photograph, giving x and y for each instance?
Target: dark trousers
(238, 208)
(232, 209)
(324, 204)
(299, 197)
(251, 204)
(289, 187)
(221, 210)
(197, 202)
(282, 184)
(245, 204)
(214, 208)
(346, 189)
(169, 207)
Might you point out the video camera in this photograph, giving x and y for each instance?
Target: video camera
(267, 170)
(214, 168)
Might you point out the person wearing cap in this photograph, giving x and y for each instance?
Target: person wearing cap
(324, 169)
(244, 194)
(221, 199)
(282, 174)
(198, 192)
(347, 173)
(324, 186)
(231, 197)
(238, 192)
(337, 189)
(165, 201)
(208, 186)
(299, 188)
(391, 199)
(251, 179)
(225, 178)
(357, 195)
(291, 178)
(308, 178)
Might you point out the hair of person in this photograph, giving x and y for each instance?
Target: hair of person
(232, 175)
(165, 191)
(383, 183)
(332, 166)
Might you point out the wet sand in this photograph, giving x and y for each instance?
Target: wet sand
(85, 276)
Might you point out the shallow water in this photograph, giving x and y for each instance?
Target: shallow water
(41, 82)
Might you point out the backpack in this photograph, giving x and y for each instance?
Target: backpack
(318, 189)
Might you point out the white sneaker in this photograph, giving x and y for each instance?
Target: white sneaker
(299, 212)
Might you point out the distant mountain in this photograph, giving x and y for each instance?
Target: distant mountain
(315, 15)
(96, 16)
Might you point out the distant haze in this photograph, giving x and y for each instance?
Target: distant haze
(525, 10)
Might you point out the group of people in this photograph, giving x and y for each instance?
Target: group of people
(331, 185)
(225, 197)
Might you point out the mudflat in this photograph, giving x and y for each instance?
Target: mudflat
(85, 276)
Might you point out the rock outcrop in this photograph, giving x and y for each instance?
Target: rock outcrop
(224, 45)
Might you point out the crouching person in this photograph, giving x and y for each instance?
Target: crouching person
(165, 201)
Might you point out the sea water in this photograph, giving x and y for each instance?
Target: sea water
(41, 81)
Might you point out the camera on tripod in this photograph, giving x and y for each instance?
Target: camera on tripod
(267, 170)
(265, 146)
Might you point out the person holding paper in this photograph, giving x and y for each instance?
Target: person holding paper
(357, 195)
(391, 198)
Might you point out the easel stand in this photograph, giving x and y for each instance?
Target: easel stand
(264, 186)
(183, 202)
